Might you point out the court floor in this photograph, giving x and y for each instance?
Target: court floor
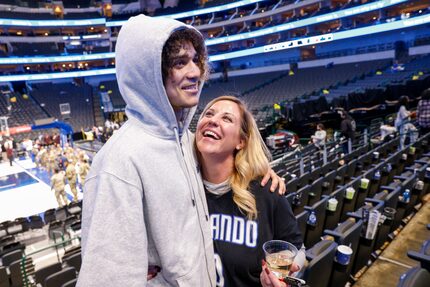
(25, 190)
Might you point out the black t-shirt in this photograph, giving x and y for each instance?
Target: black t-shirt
(238, 242)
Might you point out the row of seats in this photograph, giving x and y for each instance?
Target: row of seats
(346, 223)
(57, 223)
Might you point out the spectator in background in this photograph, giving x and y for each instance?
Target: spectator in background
(403, 124)
(84, 167)
(423, 112)
(71, 178)
(8, 145)
(347, 129)
(27, 146)
(320, 136)
(58, 182)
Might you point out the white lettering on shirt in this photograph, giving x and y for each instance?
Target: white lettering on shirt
(234, 229)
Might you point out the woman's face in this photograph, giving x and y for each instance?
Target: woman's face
(218, 131)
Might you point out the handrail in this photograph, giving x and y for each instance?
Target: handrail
(55, 245)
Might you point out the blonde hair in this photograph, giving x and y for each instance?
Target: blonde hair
(250, 162)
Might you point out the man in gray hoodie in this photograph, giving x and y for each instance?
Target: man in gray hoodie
(143, 198)
(144, 202)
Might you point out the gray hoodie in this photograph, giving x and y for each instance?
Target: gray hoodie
(144, 201)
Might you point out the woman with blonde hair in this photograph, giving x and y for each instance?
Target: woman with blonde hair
(243, 214)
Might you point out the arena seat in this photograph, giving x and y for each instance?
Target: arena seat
(36, 222)
(366, 245)
(329, 182)
(423, 256)
(10, 257)
(59, 278)
(16, 270)
(302, 222)
(300, 199)
(320, 256)
(314, 232)
(4, 277)
(415, 277)
(56, 229)
(333, 217)
(49, 215)
(71, 283)
(42, 273)
(350, 205)
(347, 233)
(390, 198)
(74, 260)
(315, 191)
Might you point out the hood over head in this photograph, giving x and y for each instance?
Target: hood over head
(138, 70)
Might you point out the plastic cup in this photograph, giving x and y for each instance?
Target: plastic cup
(343, 254)
(376, 155)
(279, 256)
(332, 204)
(349, 193)
(364, 183)
(419, 185)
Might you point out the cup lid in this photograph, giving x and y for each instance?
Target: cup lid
(345, 249)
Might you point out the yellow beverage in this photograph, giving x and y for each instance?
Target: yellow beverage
(279, 263)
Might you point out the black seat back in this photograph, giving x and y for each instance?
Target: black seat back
(300, 199)
(12, 256)
(317, 273)
(302, 219)
(36, 222)
(59, 278)
(350, 204)
(315, 191)
(74, 260)
(314, 232)
(414, 277)
(44, 272)
(71, 283)
(4, 277)
(328, 183)
(333, 217)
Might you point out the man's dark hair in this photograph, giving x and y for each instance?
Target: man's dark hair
(174, 44)
(426, 94)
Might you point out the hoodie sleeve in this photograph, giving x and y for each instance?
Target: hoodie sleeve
(112, 208)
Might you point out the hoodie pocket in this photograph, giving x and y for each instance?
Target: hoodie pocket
(193, 278)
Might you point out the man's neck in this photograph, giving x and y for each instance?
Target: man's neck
(179, 114)
(216, 169)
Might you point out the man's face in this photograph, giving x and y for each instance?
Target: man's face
(182, 83)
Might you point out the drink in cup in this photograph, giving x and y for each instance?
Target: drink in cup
(279, 256)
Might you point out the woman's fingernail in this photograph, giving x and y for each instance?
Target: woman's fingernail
(267, 271)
